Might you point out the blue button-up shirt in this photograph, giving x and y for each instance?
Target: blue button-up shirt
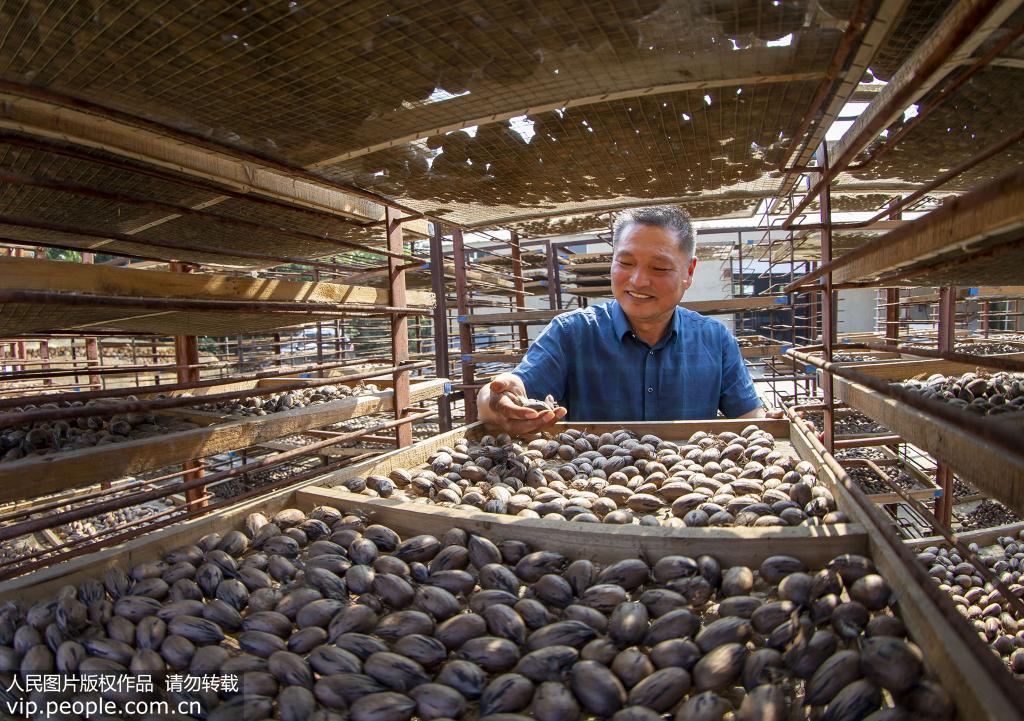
(593, 364)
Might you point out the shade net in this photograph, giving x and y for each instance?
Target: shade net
(629, 102)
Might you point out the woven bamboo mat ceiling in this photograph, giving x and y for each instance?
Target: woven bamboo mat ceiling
(589, 223)
(636, 101)
(984, 111)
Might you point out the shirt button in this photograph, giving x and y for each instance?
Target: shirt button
(650, 390)
(651, 353)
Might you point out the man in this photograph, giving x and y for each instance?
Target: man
(639, 357)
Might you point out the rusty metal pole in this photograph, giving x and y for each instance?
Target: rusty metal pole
(399, 325)
(892, 315)
(186, 357)
(553, 300)
(520, 289)
(442, 362)
(155, 356)
(947, 342)
(986, 309)
(828, 300)
(92, 353)
(465, 329)
(44, 356)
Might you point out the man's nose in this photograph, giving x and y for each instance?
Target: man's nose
(639, 277)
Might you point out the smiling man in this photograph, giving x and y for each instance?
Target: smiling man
(639, 357)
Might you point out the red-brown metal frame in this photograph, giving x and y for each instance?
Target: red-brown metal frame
(399, 324)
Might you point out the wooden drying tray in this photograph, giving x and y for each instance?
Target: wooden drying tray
(107, 299)
(491, 357)
(765, 347)
(39, 475)
(903, 370)
(955, 659)
(928, 489)
(734, 545)
(207, 417)
(975, 239)
(985, 465)
(983, 536)
(996, 292)
(705, 307)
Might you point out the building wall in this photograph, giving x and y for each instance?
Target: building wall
(856, 311)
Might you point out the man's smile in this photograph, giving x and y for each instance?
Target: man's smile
(638, 296)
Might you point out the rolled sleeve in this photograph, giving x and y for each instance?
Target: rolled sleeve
(738, 393)
(544, 369)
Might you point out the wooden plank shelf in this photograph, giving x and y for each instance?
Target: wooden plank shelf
(39, 475)
(902, 370)
(953, 653)
(483, 357)
(974, 240)
(705, 307)
(47, 295)
(761, 347)
(983, 536)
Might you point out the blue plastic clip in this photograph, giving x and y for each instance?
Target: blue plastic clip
(972, 291)
(425, 266)
(463, 318)
(448, 388)
(783, 300)
(809, 369)
(467, 358)
(750, 241)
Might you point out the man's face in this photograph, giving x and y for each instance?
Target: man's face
(650, 273)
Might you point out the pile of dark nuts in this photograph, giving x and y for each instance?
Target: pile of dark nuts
(278, 402)
(980, 393)
(329, 616)
(729, 479)
(987, 514)
(995, 620)
(46, 437)
(993, 347)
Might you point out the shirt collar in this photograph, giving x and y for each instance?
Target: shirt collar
(621, 324)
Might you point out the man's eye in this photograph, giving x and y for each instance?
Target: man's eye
(663, 270)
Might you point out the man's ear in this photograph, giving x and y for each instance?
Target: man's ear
(689, 271)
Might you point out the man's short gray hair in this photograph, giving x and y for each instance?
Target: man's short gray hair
(660, 216)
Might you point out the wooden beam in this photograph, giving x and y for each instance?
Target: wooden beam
(616, 85)
(49, 119)
(706, 307)
(485, 357)
(53, 275)
(39, 475)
